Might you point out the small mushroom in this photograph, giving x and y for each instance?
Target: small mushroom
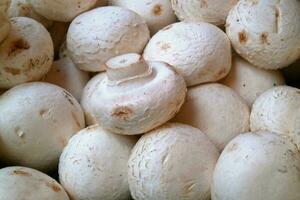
(92, 42)
(18, 183)
(217, 111)
(26, 54)
(4, 26)
(211, 11)
(200, 52)
(260, 166)
(175, 161)
(94, 165)
(36, 122)
(135, 96)
(4, 5)
(278, 110)
(266, 32)
(66, 75)
(157, 13)
(58, 32)
(249, 81)
(63, 11)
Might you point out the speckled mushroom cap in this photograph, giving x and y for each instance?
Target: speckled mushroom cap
(217, 111)
(22, 8)
(29, 184)
(91, 42)
(94, 165)
(266, 32)
(64, 11)
(36, 121)
(211, 11)
(135, 96)
(278, 110)
(175, 161)
(4, 26)
(157, 13)
(4, 4)
(26, 54)
(261, 166)
(200, 52)
(249, 81)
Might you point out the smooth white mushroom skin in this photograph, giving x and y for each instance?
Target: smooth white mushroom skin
(26, 54)
(260, 166)
(63, 11)
(92, 42)
(266, 32)
(157, 13)
(249, 81)
(66, 75)
(4, 5)
(217, 111)
(4, 26)
(36, 122)
(135, 97)
(175, 161)
(94, 165)
(278, 110)
(29, 184)
(200, 52)
(211, 11)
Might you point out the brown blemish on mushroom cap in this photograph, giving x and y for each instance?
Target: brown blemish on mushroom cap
(68, 97)
(20, 173)
(243, 37)
(17, 46)
(264, 38)
(123, 112)
(157, 10)
(54, 186)
(165, 46)
(12, 71)
(233, 147)
(204, 4)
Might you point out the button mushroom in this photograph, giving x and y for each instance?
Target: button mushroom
(260, 166)
(135, 96)
(4, 26)
(200, 52)
(211, 11)
(36, 122)
(26, 54)
(266, 32)
(28, 184)
(250, 81)
(91, 42)
(94, 165)
(175, 161)
(217, 111)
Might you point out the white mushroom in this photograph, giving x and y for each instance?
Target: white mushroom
(26, 54)
(4, 26)
(58, 32)
(135, 96)
(66, 75)
(18, 183)
(22, 8)
(211, 11)
(4, 5)
(91, 42)
(200, 52)
(63, 11)
(278, 110)
(157, 13)
(36, 122)
(94, 165)
(217, 111)
(257, 166)
(249, 81)
(175, 161)
(266, 32)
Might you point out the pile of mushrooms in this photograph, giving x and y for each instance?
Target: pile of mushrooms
(149, 100)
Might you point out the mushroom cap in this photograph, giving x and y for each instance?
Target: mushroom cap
(260, 166)
(217, 111)
(211, 11)
(278, 110)
(29, 184)
(4, 26)
(157, 13)
(249, 81)
(4, 5)
(135, 96)
(94, 165)
(36, 122)
(199, 51)
(266, 32)
(64, 11)
(92, 42)
(26, 54)
(175, 161)
(22, 8)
